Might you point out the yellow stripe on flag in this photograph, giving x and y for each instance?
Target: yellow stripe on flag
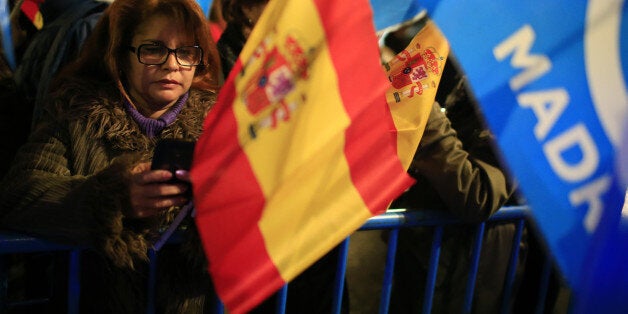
(295, 45)
(415, 74)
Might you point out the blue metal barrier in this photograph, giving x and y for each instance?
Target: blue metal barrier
(392, 220)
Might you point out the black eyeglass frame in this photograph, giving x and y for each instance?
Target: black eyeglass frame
(136, 51)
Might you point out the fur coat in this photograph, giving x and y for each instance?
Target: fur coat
(70, 184)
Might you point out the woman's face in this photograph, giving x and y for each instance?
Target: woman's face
(154, 88)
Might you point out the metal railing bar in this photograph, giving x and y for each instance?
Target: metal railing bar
(432, 270)
(473, 267)
(74, 281)
(20, 243)
(219, 307)
(17, 304)
(282, 298)
(152, 280)
(512, 267)
(339, 281)
(389, 270)
(411, 218)
(4, 283)
(543, 285)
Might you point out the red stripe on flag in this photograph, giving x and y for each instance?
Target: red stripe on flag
(30, 9)
(362, 90)
(233, 213)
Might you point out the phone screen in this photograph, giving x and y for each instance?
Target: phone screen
(173, 155)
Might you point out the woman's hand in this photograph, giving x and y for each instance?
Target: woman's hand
(150, 191)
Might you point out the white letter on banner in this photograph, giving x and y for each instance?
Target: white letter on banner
(591, 194)
(520, 43)
(547, 107)
(576, 135)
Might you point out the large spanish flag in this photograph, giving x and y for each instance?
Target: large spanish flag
(299, 151)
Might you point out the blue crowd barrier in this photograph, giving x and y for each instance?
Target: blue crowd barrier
(393, 221)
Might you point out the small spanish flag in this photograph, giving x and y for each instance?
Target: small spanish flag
(31, 9)
(414, 75)
(300, 149)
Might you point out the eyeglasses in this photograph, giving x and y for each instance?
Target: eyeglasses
(157, 54)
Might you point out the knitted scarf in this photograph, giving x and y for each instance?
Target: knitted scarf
(152, 127)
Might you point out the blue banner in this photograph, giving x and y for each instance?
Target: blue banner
(206, 5)
(7, 41)
(388, 13)
(550, 80)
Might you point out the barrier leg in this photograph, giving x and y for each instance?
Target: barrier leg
(220, 307)
(341, 269)
(4, 279)
(432, 271)
(389, 270)
(473, 268)
(512, 267)
(74, 281)
(282, 299)
(152, 280)
(543, 286)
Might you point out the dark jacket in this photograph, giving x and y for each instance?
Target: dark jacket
(69, 183)
(67, 25)
(456, 171)
(229, 47)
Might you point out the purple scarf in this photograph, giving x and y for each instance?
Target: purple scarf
(152, 127)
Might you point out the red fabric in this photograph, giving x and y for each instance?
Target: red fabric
(215, 176)
(216, 30)
(363, 91)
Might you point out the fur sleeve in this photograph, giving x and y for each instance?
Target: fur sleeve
(41, 196)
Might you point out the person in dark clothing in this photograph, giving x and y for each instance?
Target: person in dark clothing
(40, 53)
(67, 24)
(457, 170)
(15, 120)
(241, 16)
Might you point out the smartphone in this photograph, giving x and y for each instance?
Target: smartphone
(173, 155)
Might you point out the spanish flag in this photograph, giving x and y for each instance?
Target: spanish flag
(298, 152)
(31, 9)
(414, 75)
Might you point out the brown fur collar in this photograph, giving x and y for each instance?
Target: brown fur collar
(106, 117)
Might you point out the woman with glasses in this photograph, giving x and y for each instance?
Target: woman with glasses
(149, 71)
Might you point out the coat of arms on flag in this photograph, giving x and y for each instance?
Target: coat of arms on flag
(414, 75)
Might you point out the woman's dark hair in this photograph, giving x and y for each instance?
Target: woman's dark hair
(232, 11)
